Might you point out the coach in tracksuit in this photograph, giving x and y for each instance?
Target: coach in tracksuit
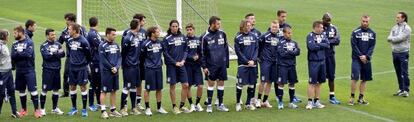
(175, 47)
(109, 63)
(52, 53)
(64, 37)
(363, 43)
(246, 46)
(268, 59)
(317, 43)
(79, 58)
(22, 55)
(215, 61)
(287, 51)
(152, 50)
(94, 40)
(131, 53)
(6, 75)
(331, 32)
(141, 37)
(400, 41)
(193, 67)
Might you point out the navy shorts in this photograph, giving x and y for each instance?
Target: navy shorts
(317, 72)
(50, 79)
(176, 75)
(26, 78)
(95, 76)
(330, 68)
(217, 73)
(153, 79)
(246, 75)
(78, 76)
(131, 77)
(109, 81)
(195, 76)
(361, 71)
(268, 71)
(287, 74)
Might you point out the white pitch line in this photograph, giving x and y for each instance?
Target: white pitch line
(376, 73)
(14, 21)
(346, 108)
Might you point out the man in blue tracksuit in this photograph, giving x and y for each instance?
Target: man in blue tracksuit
(215, 61)
(64, 37)
(317, 43)
(193, 67)
(30, 28)
(94, 40)
(175, 47)
(22, 55)
(399, 39)
(363, 43)
(109, 64)
(131, 53)
(141, 37)
(52, 53)
(246, 46)
(331, 32)
(268, 60)
(252, 19)
(281, 17)
(287, 51)
(79, 58)
(6, 75)
(152, 50)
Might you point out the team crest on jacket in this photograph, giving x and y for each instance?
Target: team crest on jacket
(20, 47)
(192, 44)
(220, 41)
(155, 48)
(112, 49)
(273, 41)
(364, 36)
(74, 45)
(52, 48)
(290, 46)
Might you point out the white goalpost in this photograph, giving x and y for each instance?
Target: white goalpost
(118, 13)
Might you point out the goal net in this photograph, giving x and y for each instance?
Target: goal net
(118, 13)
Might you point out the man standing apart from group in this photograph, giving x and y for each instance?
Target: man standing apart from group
(400, 42)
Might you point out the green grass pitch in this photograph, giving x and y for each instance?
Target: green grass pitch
(346, 13)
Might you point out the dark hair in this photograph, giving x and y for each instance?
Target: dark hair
(93, 21)
(134, 24)
(75, 27)
(70, 17)
(280, 12)
(109, 30)
(316, 23)
(3, 34)
(248, 15)
(213, 20)
(29, 23)
(151, 30)
(19, 29)
(140, 17)
(48, 31)
(404, 15)
(190, 25)
(169, 29)
(286, 29)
